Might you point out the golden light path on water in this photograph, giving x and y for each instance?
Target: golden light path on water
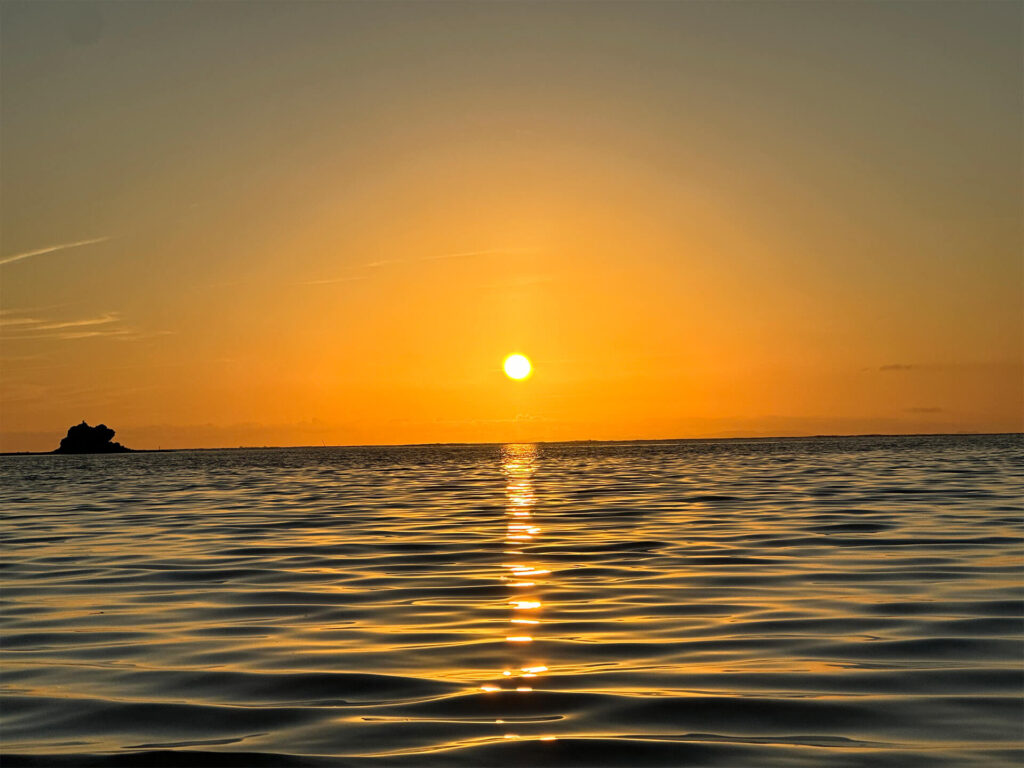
(523, 575)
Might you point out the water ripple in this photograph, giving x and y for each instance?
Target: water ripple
(839, 602)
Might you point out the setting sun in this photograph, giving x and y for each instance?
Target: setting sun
(518, 367)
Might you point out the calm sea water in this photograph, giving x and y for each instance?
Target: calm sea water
(818, 602)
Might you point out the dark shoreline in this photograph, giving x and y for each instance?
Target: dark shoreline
(535, 442)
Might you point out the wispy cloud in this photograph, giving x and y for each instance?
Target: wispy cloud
(108, 325)
(444, 256)
(51, 249)
(123, 333)
(35, 324)
(472, 254)
(110, 317)
(898, 367)
(373, 265)
(350, 279)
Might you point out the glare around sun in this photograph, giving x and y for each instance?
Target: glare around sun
(518, 367)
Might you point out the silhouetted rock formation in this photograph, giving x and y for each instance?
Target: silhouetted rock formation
(85, 439)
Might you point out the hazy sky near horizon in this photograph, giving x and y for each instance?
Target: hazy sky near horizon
(292, 223)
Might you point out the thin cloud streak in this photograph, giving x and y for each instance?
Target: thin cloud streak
(373, 265)
(109, 325)
(443, 256)
(332, 281)
(51, 325)
(469, 254)
(108, 318)
(52, 249)
(117, 334)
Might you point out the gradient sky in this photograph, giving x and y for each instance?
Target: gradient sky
(294, 223)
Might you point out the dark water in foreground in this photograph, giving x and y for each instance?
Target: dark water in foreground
(823, 602)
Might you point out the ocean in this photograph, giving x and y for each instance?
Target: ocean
(789, 602)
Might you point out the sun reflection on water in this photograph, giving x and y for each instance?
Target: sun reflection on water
(518, 463)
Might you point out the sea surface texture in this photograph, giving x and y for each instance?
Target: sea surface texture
(805, 602)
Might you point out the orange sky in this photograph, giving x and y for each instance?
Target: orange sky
(274, 225)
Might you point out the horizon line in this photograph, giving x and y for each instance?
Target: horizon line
(532, 442)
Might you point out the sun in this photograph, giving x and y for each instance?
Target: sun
(518, 367)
